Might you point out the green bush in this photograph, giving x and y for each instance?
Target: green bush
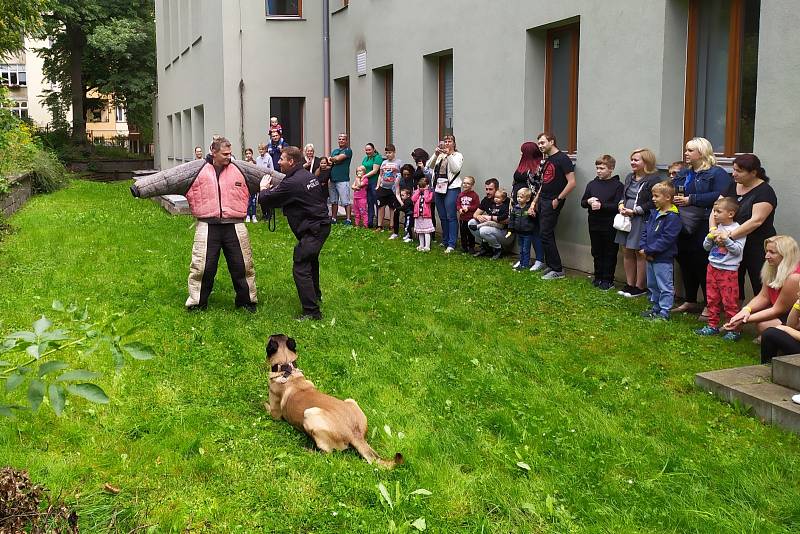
(48, 173)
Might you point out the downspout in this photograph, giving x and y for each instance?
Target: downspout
(241, 84)
(326, 74)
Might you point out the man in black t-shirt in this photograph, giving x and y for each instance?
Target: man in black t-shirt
(558, 180)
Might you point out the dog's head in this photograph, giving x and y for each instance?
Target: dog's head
(281, 349)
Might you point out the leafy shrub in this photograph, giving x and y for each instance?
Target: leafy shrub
(48, 173)
(22, 152)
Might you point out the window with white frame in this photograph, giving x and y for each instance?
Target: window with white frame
(120, 114)
(19, 108)
(13, 75)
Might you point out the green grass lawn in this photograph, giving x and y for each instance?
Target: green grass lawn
(464, 366)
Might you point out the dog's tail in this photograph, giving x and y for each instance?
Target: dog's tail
(370, 455)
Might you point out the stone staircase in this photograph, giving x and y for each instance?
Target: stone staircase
(767, 390)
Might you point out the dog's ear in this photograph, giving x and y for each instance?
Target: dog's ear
(291, 344)
(272, 347)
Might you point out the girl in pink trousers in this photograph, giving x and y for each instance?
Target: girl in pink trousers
(423, 222)
(360, 185)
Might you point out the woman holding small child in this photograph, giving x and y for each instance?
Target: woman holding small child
(697, 188)
(780, 277)
(636, 203)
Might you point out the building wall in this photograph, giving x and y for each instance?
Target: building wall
(631, 81)
(37, 111)
(628, 93)
(777, 110)
(203, 56)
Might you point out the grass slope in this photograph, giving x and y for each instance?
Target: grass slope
(473, 368)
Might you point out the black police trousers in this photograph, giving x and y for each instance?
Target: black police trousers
(306, 267)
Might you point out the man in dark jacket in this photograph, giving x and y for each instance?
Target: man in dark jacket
(302, 198)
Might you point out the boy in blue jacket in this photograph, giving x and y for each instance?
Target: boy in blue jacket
(659, 245)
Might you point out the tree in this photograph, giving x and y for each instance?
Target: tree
(106, 45)
(18, 19)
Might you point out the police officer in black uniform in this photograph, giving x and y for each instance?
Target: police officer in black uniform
(302, 198)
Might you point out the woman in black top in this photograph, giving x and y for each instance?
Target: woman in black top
(756, 215)
(527, 171)
(527, 175)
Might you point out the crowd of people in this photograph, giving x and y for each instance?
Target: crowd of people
(717, 228)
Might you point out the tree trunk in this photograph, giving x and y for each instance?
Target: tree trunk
(77, 42)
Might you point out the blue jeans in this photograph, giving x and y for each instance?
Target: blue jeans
(252, 205)
(662, 290)
(525, 242)
(372, 203)
(448, 217)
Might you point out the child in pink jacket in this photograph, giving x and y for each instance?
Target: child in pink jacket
(360, 185)
(423, 222)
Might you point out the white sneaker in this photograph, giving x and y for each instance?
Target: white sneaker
(254, 219)
(448, 250)
(420, 248)
(515, 265)
(537, 266)
(796, 398)
(406, 239)
(247, 219)
(554, 275)
(426, 249)
(393, 236)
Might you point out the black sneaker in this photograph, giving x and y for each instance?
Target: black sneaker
(481, 252)
(197, 307)
(605, 285)
(249, 307)
(497, 254)
(309, 317)
(636, 292)
(625, 291)
(596, 282)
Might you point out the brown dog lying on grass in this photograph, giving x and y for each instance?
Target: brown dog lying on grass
(333, 424)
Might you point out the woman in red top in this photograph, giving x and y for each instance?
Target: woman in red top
(780, 276)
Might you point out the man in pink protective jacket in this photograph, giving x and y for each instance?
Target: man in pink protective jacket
(218, 190)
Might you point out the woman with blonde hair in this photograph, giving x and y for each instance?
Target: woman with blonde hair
(697, 188)
(636, 203)
(780, 277)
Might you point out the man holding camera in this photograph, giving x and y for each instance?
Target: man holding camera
(302, 198)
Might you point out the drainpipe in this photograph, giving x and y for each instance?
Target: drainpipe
(326, 75)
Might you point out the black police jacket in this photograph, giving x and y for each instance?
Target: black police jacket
(303, 199)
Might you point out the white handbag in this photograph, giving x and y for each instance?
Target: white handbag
(622, 222)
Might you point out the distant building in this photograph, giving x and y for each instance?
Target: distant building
(104, 120)
(22, 74)
(605, 77)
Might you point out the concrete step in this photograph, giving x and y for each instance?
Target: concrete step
(752, 386)
(174, 204)
(786, 371)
